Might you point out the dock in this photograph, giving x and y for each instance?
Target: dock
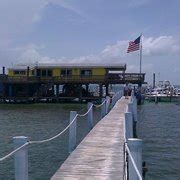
(101, 154)
(109, 151)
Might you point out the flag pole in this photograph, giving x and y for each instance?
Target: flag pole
(140, 62)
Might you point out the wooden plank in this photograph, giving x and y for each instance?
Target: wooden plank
(100, 155)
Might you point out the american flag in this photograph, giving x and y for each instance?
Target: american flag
(134, 45)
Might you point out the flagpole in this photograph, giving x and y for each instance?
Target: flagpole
(140, 62)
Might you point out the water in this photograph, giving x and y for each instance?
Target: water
(159, 127)
(39, 121)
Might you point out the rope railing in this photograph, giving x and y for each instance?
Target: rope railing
(13, 152)
(57, 135)
(52, 138)
(133, 162)
(21, 154)
(97, 106)
(82, 115)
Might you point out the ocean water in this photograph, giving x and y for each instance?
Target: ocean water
(159, 127)
(39, 121)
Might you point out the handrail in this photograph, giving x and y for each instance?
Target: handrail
(52, 138)
(13, 152)
(82, 115)
(57, 135)
(134, 164)
(97, 106)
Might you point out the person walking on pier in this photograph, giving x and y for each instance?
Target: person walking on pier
(127, 90)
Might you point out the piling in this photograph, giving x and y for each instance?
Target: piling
(21, 158)
(128, 125)
(103, 108)
(72, 131)
(107, 104)
(135, 146)
(90, 115)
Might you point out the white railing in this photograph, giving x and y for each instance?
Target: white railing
(21, 142)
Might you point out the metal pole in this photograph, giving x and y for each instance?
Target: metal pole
(72, 131)
(135, 146)
(90, 116)
(21, 158)
(140, 52)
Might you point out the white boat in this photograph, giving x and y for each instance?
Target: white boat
(164, 91)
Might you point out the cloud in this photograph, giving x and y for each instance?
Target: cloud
(161, 46)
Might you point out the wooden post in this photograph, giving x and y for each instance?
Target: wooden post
(107, 104)
(113, 100)
(90, 116)
(128, 125)
(156, 99)
(21, 158)
(103, 108)
(107, 93)
(130, 107)
(3, 70)
(135, 108)
(135, 146)
(72, 131)
(10, 93)
(27, 72)
(100, 90)
(57, 89)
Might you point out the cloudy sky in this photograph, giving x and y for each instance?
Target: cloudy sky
(92, 31)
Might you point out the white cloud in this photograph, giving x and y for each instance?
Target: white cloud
(160, 46)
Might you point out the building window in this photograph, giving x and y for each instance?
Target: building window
(49, 73)
(43, 73)
(19, 72)
(32, 72)
(86, 72)
(66, 72)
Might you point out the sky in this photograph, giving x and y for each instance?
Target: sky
(81, 31)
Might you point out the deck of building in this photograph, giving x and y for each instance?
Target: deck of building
(101, 154)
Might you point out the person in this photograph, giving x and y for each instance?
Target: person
(126, 91)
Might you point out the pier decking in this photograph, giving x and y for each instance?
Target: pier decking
(101, 154)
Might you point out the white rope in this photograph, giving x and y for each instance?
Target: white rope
(134, 164)
(82, 115)
(54, 137)
(13, 152)
(97, 106)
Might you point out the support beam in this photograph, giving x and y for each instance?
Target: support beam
(100, 90)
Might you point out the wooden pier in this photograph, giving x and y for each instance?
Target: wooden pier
(101, 154)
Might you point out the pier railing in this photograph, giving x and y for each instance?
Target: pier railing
(22, 142)
(133, 146)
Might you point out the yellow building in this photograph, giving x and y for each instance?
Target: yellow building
(65, 70)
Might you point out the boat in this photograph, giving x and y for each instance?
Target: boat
(163, 92)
